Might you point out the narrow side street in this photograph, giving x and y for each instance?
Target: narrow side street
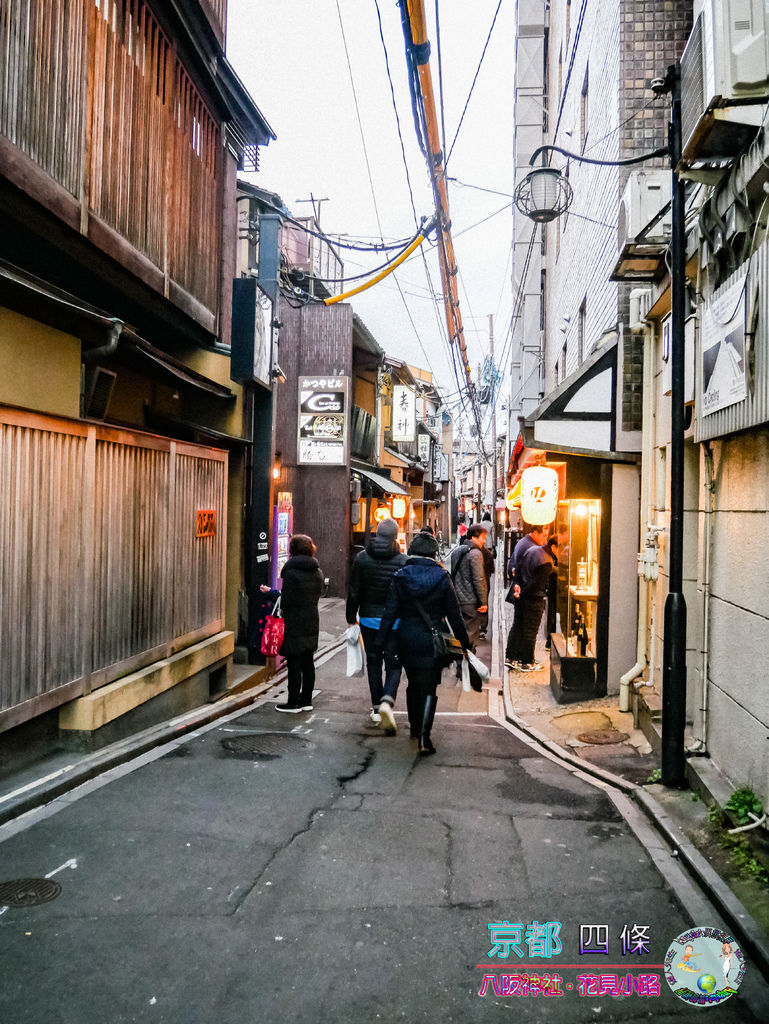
(307, 868)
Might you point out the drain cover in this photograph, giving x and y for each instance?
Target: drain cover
(601, 736)
(263, 745)
(28, 892)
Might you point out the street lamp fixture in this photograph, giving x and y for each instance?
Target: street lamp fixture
(541, 196)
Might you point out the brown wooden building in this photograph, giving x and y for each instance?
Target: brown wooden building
(122, 127)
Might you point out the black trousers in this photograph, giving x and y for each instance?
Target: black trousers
(423, 682)
(301, 677)
(527, 612)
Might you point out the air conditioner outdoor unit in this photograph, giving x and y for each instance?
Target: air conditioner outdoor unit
(645, 195)
(724, 79)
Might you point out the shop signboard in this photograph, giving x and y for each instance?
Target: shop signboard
(423, 446)
(404, 420)
(323, 420)
(724, 378)
(539, 495)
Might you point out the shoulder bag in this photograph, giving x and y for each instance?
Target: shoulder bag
(446, 647)
(272, 637)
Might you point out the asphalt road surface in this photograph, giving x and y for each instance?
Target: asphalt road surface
(281, 868)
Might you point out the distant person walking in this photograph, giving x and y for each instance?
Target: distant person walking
(468, 574)
(372, 572)
(302, 587)
(421, 597)
(530, 570)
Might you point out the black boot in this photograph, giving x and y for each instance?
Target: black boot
(425, 743)
(412, 706)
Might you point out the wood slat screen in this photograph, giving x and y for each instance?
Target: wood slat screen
(101, 567)
(43, 55)
(121, 126)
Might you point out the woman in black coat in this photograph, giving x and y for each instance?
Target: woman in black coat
(422, 582)
(302, 587)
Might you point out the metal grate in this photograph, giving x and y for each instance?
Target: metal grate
(264, 746)
(28, 892)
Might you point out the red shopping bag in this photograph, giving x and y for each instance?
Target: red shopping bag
(272, 637)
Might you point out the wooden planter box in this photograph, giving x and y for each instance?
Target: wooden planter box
(571, 679)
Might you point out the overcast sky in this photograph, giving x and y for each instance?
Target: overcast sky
(291, 56)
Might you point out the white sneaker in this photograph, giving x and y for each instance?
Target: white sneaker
(533, 666)
(387, 718)
(514, 665)
(374, 717)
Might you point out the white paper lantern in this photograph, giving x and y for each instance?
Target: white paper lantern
(539, 495)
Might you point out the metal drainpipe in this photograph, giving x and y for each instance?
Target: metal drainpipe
(711, 497)
(647, 451)
(108, 349)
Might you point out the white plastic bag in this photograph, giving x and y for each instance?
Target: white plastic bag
(354, 651)
(478, 665)
(465, 675)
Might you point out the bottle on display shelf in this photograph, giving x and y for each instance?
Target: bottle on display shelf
(582, 636)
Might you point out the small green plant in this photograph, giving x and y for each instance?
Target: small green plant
(742, 803)
(696, 798)
(655, 776)
(742, 857)
(714, 816)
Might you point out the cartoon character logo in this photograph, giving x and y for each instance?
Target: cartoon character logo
(697, 959)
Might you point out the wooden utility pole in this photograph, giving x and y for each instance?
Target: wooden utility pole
(493, 430)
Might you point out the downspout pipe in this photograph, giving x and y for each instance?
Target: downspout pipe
(647, 449)
(108, 349)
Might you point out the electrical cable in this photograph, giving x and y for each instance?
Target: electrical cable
(475, 79)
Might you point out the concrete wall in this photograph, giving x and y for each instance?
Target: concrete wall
(39, 366)
(624, 579)
(738, 722)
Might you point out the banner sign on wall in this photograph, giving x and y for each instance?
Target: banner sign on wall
(404, 420)
(323, 416)
(423, 447)
(724, 378)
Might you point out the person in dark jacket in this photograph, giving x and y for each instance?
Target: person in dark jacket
(372, 571)
(299, 596)
(422, 582)
(531, 570)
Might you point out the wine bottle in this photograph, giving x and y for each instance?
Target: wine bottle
(582, 636)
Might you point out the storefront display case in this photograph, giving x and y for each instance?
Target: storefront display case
(573, 644)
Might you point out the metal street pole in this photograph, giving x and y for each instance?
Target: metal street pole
(493, 432)
(674, 643)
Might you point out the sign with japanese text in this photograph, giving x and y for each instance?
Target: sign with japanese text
(205, 522)
(323, 420)
(423, 447)
(404, 420)
(724, 378)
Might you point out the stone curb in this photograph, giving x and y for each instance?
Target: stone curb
(743, 926)
(118, 753)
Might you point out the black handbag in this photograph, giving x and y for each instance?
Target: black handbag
(446, 647)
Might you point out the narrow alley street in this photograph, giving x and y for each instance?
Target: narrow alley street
(301, 868)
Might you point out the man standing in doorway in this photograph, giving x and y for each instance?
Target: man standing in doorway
(469, 578)
(531, 570)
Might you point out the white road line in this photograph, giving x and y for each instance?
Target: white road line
(71, 863)
(36, 782)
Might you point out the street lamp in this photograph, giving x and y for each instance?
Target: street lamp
(542, 199)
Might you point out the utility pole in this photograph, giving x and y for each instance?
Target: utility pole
(493, 433)
(313, 200)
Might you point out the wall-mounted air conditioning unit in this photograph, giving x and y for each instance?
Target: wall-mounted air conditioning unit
(646, 194)
(724, 81)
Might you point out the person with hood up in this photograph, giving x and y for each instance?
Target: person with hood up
(372, 572)
(421, 597)
(302, 587)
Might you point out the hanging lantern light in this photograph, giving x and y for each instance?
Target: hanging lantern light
(399, 508)
(544, 194)
(539, 495)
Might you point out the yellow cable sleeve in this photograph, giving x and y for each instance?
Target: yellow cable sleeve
(375, 280)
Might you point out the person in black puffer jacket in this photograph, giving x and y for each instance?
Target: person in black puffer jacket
(422, 582)
(372, 571)
(302, 587)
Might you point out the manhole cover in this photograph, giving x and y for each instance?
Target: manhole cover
(574, 722)
(263, 745)
(28, 892)
(600, 736)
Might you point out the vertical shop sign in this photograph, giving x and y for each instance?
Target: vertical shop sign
(404, 414)
(323, 421)
(423, 442)
(724, 373)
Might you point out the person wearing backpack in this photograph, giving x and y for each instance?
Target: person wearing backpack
(530, 570)
(468, 574)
